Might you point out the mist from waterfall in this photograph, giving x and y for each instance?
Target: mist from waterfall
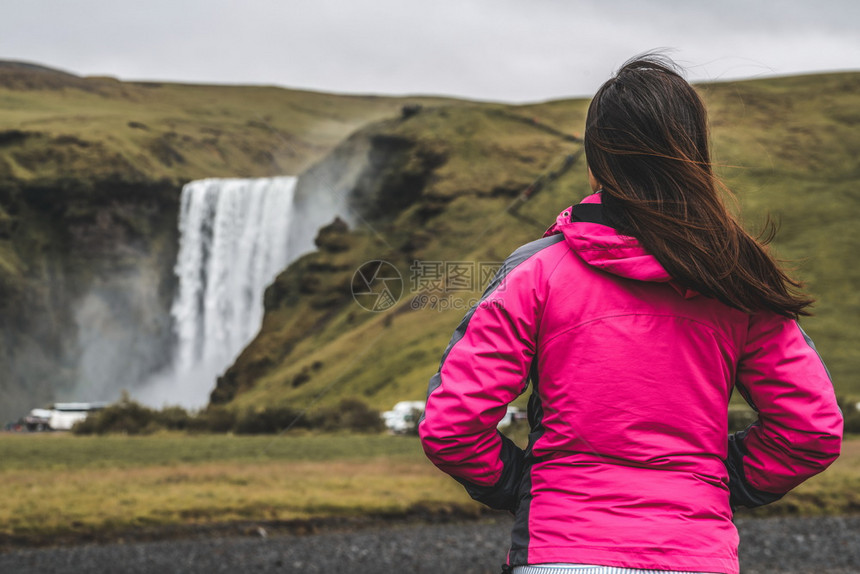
(235, 237)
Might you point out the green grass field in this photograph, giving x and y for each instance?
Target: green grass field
(58, 486)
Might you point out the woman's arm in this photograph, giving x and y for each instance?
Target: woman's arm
(485, 367)
(799, 428)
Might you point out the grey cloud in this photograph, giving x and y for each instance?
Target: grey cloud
(513, 50)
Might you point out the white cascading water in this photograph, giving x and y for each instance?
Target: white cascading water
(234, 240)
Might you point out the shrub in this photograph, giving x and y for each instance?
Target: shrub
(172, 418)
(349, 414)
(216, 419)
(850, 413)
(126, 417)
(852, 420)
(301, 378)
(269, 420)
(130, 417)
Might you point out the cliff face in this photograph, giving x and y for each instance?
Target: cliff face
(90, 175)
(86, 308)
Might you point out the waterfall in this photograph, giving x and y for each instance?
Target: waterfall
(234, 240)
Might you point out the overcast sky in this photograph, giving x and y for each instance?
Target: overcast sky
(509, 50)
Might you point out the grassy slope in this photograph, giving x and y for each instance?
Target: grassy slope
(791, 148)
(786, 146)
(387, 357)
(175, 131)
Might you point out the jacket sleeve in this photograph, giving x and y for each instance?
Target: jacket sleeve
(799, 428)
(485, 367)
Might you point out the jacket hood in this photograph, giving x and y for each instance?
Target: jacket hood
(602, 247)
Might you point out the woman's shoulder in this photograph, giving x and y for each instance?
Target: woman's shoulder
(533, 248)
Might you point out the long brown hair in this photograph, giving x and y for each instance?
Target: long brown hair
(646, 142)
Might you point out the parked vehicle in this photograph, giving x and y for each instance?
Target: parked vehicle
(403, 418)
(37, 420)
(61, 416)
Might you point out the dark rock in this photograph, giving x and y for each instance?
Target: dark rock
(334, 236)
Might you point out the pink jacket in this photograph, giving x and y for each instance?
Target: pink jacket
(629, 460)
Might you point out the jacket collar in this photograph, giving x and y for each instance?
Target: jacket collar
(601, 246)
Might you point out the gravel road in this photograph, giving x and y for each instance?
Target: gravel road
(773, 545)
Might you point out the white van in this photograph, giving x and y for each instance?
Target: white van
(65, 415)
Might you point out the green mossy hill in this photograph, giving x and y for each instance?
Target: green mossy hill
(90, 174)
(434, 187)
(443, 186)
(55, 125)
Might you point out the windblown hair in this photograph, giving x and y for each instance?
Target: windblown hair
(646, 142)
